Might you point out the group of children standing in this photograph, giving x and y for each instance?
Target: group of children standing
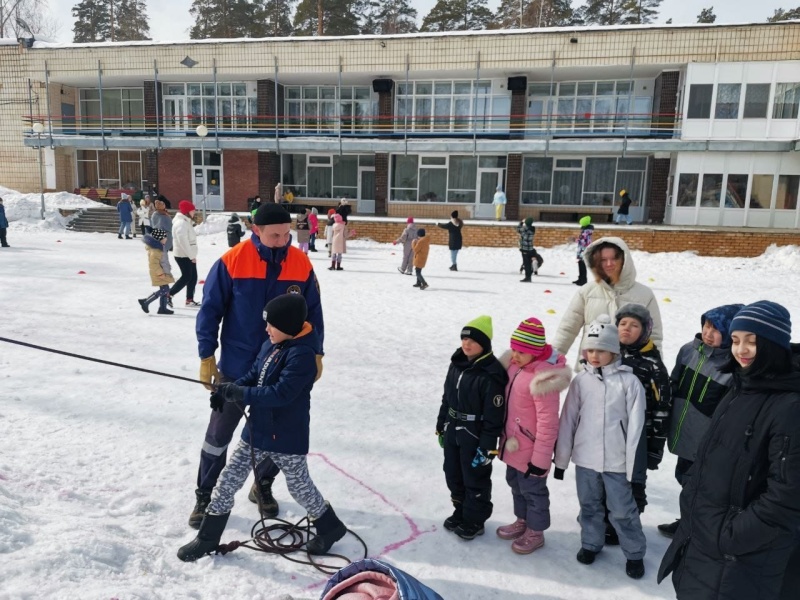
(617, 416)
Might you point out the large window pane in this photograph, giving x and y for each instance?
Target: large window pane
(630, 181)
(462, 172)
(432, 185)
(422, 113)
(787, 101)
(319, 182)
(599, 180)
(536, 180)
(700, 101)
(567, 187)
(728, 101)
(756, 100)
(736, 192)
(712, 190)
(294, 171)
(787, 192)
(404, 171)
(687, 189)
(441, 113)
(761, 194)
(345, 171)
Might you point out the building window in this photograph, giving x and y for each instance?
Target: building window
(323, 175)
(761, 194)
(700, 101)
(438, 178)
(599, 181)
(756, 101)
(122, 107)
(115, 169)
(787, 192)
(728, 101)
(424, 106)
(787, 101)
(736, 191)
(687, 189)
(712, 190)
(235, 106)
(293, 174)
(327, 108)
(568, 181)
(462, 179)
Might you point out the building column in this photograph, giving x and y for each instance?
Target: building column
(657, 195)
(381, 184)
(268, 105)
(665, 100)
(151, 168)
(385, 122)
(513, 186)
(518, 86)
(269, 174)
(152, 104)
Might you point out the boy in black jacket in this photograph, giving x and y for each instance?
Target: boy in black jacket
(235, 231)
(469, 425)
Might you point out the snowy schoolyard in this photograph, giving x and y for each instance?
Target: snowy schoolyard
(98, 464)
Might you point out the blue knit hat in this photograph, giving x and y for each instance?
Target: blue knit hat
(721, 318)
(766, 319)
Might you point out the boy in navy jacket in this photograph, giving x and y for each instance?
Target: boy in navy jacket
(278, 390)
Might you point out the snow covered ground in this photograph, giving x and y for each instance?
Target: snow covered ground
(98, 464)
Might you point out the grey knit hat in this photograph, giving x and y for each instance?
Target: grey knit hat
(601, 334)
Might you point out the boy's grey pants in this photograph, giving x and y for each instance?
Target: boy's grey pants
(293, 466)
(597, 490)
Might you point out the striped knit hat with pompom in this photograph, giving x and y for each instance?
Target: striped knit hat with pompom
(528, 338)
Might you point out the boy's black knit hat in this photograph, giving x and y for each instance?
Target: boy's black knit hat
(272, 214)
(287, 313)
(421, 232)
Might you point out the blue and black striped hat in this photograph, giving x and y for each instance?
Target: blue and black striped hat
(766, 319)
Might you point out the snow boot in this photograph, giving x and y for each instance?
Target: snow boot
(635, 569)
(333, 266)
(669, 529)
(162, 306)
(528, 542)
(269, 506)
(454, 268)
(586, 556)
(339, 265)
(145, 302)
(329, 531)
(454, 520)
(468, 530)
(207, 539)
(199, 510)
(512, 531)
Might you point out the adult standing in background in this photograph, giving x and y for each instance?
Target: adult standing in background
(454, 239)
(185, 240)
(610, 262)
(125, 211)
(238, 286)
(278, 194)
(344, 209)
(499, 202)
(143, 212)
(160, 219)
(3, 226)
(624, 207)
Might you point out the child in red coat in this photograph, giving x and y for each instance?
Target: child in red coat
(537, 374)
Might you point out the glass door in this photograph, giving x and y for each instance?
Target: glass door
(366, 190)
(174, 114)
(488, 180)
(208, 191)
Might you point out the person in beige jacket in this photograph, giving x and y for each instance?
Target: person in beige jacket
(610, 263)
(421, 246)
(160, 273)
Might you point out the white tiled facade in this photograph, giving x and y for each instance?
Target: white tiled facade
(699, 123)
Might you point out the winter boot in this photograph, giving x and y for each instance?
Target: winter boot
(207, 538)
(339, 265)
(512, 531)
(329, 531)
(199, 510)
(269, 506)
(528, 542)
(453, 268)
(162, 306)
(333, 266)
(469, 530)
(526, 280)
(145, 302)
(119, 236)
(635, 569)
(669, 529)
(452, 522)
(586, 556)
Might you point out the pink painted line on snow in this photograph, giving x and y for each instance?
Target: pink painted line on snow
(415, 530)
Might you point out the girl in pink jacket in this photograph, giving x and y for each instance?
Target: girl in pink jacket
(537, 374)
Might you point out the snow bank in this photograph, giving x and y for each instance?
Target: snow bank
(24, 211)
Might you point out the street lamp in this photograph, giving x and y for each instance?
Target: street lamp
(38, 128)
(202, 132)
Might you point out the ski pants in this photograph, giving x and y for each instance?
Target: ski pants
(597, 490)
(408, 259)
(213, 456)
(531, 498)
(527, 262)
(294, 467)
(420, 278)
(470, 487)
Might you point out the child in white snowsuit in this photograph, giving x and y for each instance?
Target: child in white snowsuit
(407, 238)
(600, 428)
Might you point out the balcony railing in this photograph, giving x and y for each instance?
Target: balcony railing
(660, 125)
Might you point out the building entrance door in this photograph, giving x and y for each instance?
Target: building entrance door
(366, 191)
(174, 114)
(207, 180)
(488, 179)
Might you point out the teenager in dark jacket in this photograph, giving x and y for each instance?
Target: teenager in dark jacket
(470, 423)
(235, 231)
(526, 231)
(740, 507)
(624, 207)
(278, 391)
(454, 239)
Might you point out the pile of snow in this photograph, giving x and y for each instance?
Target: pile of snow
(24, 211)
(781, 258)
(214, 223)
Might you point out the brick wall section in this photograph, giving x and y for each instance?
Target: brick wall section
(267, 107)
(519, 109)
(665, 98)
(175, 175)
(150, 104)
(151, 168)
(705, 242)
(657, 197)
(513, 185)
(240, 177)
(385, 121)
(269, 173)
(381, 184)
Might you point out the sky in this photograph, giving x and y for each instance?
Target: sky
(98, 464)
(171, 20)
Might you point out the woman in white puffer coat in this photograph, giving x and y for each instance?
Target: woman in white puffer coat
(609, 260)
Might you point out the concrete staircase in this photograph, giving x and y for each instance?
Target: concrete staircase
(100, 219)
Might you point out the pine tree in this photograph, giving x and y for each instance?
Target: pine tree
(457, 15)
(92, 21)
(130, 20)
(604, 12)
(339, 17)
(639, 12)
(275, 16)
(707, 15)
(784, 15)
(388, 17)
(536, 13)
(228, 19)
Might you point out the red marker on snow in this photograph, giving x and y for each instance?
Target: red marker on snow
(548, 292)
(202, 281)
(81, 272)
(562, 273)
(58, 241)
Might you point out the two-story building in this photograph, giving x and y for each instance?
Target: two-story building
(698, 123)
